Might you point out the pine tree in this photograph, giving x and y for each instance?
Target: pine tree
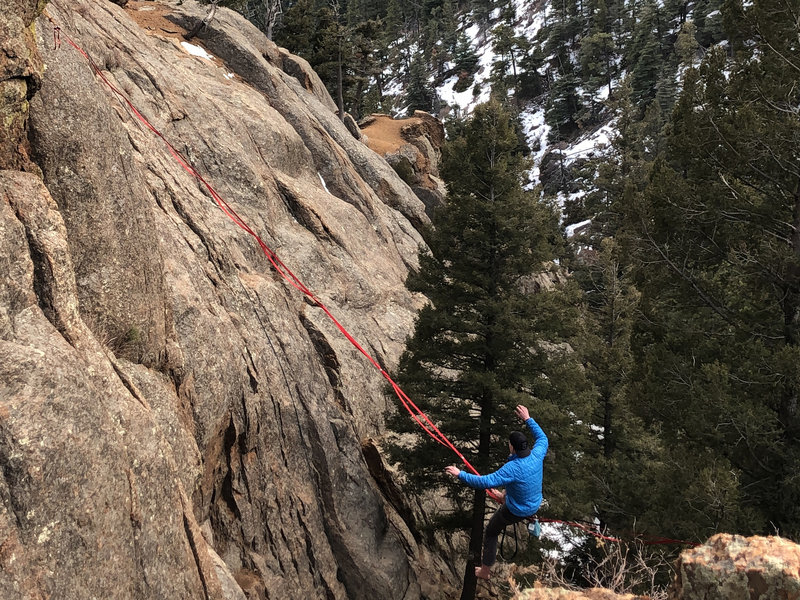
(419, 92)
(646, 54)
(465, 59)
(686, 45)
(720, 348)
(484, 345)
(449, 26)
(297, 28)
(564, 100)
(624, 453)
(563, 107)
(333, 52)
(709, 22)
(510, 48)
(394, 21)
(598, 51)
(366, 65)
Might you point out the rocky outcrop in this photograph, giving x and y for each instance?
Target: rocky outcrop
(176, 421)
(732, 566)
(725, 567)
(413, 147)
(20, 76)
(545, 593)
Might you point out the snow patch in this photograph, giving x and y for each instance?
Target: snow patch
(599, 140)
(196, 51)
(323, 182)
(570, 232)
(565, 538)
(536, 131)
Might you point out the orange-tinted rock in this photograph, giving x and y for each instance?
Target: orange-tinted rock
(176, 421)
(732, 566)
(413, 147)
(539, 592)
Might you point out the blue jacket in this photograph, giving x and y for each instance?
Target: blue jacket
(522, 477)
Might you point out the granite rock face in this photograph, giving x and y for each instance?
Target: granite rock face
(20, 77)
(732, 566)
(176, 421)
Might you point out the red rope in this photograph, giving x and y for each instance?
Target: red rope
(416, 413)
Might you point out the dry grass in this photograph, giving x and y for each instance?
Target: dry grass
(620, 568)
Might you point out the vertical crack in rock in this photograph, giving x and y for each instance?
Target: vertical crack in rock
(43, 279)
(306, 216)
(329, 361)
(359, 585)
(388, 487)
(227, 488)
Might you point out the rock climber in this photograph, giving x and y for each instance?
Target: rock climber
(521, 476)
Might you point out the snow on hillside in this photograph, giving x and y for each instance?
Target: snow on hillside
(530, 19)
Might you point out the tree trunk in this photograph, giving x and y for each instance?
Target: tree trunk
(788, 412)
(479, 500)
(484, 444)
(475, 546)
(339, 86)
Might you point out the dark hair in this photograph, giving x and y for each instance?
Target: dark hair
(519, 442)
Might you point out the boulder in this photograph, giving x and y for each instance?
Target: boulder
(732, 566)
(540, 592)
(726, 567)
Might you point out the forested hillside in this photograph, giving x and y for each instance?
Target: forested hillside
(670, 131)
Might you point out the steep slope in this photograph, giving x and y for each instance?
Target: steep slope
(175, 420)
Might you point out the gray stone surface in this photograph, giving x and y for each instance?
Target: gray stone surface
(155, 372)
(20, 75)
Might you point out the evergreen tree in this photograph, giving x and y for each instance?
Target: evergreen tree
(296, 32)
(464, 58)
(449, 26)
(366, 67)
(564, 100)
(720, 347)
(420, 94)
(484, 345)
(598, 51)
(686, 45)
(332, 51)
(708, 19)
(395, 21)
(666, 89)
(481, 11)
(646, 54)
(510, 48)
(563, 107)
(626, 456)
(531, 82)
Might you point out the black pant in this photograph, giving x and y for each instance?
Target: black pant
(500, 519)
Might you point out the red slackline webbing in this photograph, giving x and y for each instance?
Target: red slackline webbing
(416, 413)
